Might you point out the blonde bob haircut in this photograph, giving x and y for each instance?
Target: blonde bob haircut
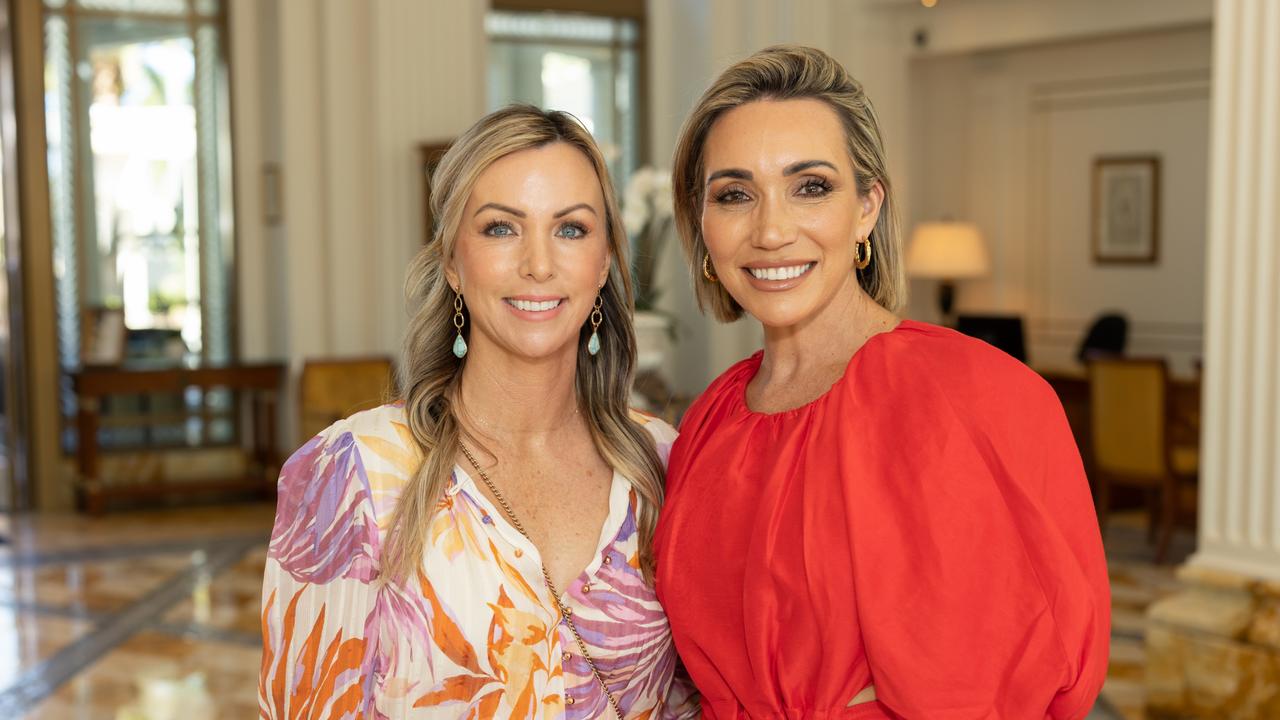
(429, 376)
(788, 72)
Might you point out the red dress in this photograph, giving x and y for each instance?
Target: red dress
(925, 526)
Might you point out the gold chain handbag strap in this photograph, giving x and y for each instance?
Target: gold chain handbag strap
(566, 613)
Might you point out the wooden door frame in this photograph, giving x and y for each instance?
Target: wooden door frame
(45, 481)
(15, 405)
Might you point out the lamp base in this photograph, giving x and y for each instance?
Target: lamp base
(946, 300)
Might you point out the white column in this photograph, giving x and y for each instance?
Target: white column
(1240, 467)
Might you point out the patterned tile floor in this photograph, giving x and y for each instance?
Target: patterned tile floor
(101, 617)
(1136, 582)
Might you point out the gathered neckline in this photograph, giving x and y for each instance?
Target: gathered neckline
(752, 366)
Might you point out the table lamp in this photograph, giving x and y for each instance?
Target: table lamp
(947, 251)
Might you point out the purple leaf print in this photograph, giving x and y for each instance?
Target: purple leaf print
(323, 530)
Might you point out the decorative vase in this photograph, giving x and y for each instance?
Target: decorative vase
(653, 341)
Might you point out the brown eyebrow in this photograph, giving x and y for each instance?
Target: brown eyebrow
(500, 207)
(803, 165)
(579, 206)
(792, 169)
(520, 213)
(734, 173)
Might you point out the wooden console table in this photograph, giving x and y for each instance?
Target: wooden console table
(261, 382)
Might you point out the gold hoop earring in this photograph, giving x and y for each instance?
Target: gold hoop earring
(459, 344)
(597, 317)
(862, 253)
(707, 272)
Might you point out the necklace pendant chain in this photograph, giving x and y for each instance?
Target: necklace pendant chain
(565, 615)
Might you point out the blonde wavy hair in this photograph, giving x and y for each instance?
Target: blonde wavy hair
(429, 376)
(788, 72)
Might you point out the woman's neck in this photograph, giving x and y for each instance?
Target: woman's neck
(827, 339)
(516, 401)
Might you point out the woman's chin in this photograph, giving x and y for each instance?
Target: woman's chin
(796, 307)
(535, 348)
(780, 314)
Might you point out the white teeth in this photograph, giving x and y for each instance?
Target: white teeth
(530, 306)
(780, 273)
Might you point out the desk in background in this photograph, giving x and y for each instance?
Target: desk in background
(260, 383)
(1072, 387)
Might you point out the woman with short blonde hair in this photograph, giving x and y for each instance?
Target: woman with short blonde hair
(777, 76)
(482, 548)
(872, 517)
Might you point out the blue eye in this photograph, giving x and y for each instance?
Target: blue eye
(815, 187)
(572, 231)
(499, 228)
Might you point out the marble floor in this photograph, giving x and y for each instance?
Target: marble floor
(134, 616)
(154, 615)
(1136, 582)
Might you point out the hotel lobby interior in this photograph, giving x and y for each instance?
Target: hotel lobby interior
(208, 207)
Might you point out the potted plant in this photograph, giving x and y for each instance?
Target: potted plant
(647, 214)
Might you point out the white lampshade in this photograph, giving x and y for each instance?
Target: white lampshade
(947, 250)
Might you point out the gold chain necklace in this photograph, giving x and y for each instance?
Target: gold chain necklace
(566, 613)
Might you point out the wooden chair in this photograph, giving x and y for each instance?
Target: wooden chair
(1131, 421)
(330, 390)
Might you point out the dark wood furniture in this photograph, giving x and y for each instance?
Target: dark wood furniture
(1181, 435)
(257, 383)
(331, 389)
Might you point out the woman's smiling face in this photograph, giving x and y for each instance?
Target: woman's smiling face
(532, 252)
(781, 213)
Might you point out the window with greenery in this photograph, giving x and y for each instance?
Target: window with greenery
(139, 160)
(585, 64)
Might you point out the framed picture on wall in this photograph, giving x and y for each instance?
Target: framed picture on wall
(429, 155)
(1126, 210)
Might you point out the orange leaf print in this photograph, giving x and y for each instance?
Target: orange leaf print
(341, 657)
(348, 705)
(488, 706)
(286, 642)
(307, 661)
(268, 652)
(315, 677)
(445, 633)
(454, 534)
(518, 644)
(457, 688)
(513, 575)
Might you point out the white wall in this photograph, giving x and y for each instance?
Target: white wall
(339, 94)
(955, 26)
(878, 41)
(1007, 139)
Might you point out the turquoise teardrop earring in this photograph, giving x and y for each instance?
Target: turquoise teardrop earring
(459, 345)
(593, 345)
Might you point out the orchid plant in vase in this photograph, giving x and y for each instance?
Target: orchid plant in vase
(647, 215)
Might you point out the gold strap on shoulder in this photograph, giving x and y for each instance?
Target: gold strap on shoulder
(566, 613)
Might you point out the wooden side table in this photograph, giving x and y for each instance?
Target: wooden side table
(262, 382)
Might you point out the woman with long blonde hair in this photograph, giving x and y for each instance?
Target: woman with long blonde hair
(482, 548)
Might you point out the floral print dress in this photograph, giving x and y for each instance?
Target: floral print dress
(475, 634)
